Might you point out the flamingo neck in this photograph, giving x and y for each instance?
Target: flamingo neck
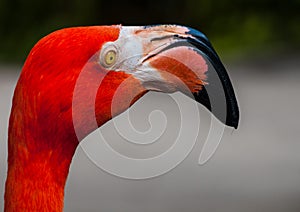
(36, 178)
(40, 149)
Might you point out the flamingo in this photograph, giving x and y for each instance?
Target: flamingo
(133, 60)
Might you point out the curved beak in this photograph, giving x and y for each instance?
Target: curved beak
(232, 110)
(173, 55)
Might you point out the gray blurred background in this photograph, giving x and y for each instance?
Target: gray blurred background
(255, 168)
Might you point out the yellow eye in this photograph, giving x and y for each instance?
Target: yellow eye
(110, 58)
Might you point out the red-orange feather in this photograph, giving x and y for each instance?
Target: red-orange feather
(42, 139)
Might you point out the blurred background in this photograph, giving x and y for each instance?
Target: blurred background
(234, 26)
(256, 168)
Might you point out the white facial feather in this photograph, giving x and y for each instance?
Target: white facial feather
(130, 51)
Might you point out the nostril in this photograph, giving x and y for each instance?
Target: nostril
(162, 38)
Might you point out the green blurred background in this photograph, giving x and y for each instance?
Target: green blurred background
(236, 28)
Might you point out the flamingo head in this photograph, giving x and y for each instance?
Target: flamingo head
(81, 77)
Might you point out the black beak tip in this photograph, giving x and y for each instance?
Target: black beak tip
(232, 113)
(233, 121)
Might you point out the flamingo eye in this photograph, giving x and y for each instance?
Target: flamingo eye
(109, 56)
